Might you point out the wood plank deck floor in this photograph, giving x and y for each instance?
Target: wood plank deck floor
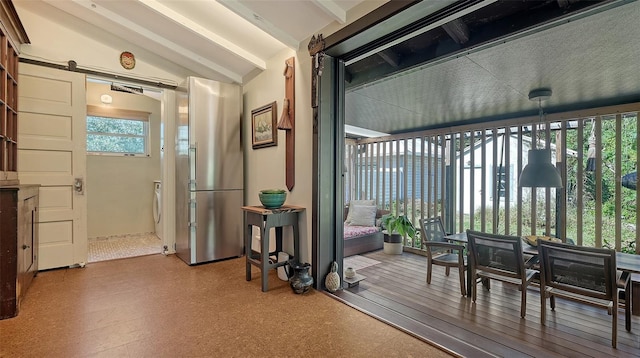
(396, 291)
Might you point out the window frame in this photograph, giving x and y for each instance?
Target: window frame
(121, 114)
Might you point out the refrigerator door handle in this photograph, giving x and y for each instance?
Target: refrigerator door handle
(193, 213)
(192, 165)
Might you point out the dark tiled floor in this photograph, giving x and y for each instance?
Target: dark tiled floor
(157, 306)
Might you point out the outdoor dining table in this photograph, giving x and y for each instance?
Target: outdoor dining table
(624, 262)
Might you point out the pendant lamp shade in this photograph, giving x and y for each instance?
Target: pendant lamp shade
(539, 172)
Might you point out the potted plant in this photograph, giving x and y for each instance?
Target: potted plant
(396, 227)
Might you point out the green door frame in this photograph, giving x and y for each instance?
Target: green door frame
(384, 23)
(328, 148)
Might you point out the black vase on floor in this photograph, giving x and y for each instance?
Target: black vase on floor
(301, 280)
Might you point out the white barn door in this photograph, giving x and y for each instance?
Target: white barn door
(52, 153)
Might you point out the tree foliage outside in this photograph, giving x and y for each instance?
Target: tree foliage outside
(588, 212)
(627, 197)
(116, 135)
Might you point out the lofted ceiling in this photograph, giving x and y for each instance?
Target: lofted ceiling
(224, 40)
(473, 65)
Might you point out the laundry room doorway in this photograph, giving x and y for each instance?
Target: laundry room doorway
(124, 170)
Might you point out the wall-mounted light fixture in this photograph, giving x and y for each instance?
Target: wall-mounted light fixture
(106, 99)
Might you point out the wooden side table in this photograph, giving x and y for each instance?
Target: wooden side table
(265, 219)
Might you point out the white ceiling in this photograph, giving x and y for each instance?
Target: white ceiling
(225, 40)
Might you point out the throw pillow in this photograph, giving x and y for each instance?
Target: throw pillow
(357, 203)
(363, 215)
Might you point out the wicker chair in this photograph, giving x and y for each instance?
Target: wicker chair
(498, 257)
(440, 252)
(583, 274)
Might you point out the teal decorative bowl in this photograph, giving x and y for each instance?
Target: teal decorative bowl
(272, 198)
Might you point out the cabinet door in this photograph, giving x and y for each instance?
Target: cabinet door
(28, 242)
(8, 111)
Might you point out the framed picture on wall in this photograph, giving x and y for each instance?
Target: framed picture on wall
(264, 131)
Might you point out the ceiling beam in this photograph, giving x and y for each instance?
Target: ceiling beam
(390, 57)
(130, 26)
(457, 30)
(261, 23)
(566, 3)
(434, 23)
(204, 33)
(425, 52)
(332, 9)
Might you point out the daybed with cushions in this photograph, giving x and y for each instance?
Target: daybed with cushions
(362, 231)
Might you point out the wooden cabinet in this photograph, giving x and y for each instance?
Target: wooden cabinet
(12, 34)
(18, 245)
(8, 111)
(18, 204)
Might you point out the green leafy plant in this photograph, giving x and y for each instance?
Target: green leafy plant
(399, 225)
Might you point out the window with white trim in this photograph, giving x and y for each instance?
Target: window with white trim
(117, 132)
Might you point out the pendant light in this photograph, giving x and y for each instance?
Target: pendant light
(539, 172)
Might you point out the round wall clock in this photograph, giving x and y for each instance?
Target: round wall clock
(127, 60)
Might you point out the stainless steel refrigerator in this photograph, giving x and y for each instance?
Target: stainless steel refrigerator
(209, 171)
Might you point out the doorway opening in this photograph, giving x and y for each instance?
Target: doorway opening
(124, 170)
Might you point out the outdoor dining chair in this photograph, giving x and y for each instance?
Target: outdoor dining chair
(498, 257)
(440, 252)
(583, 274)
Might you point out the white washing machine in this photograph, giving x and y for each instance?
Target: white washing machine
(157, 207)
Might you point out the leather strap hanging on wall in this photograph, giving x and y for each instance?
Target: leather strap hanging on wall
(287, 121)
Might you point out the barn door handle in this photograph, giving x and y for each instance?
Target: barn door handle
(78, 185)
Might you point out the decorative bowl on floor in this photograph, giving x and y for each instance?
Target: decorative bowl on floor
(349, 272)
(272, 198)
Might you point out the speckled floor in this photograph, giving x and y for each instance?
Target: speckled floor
(122, 246)
(157, 306)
